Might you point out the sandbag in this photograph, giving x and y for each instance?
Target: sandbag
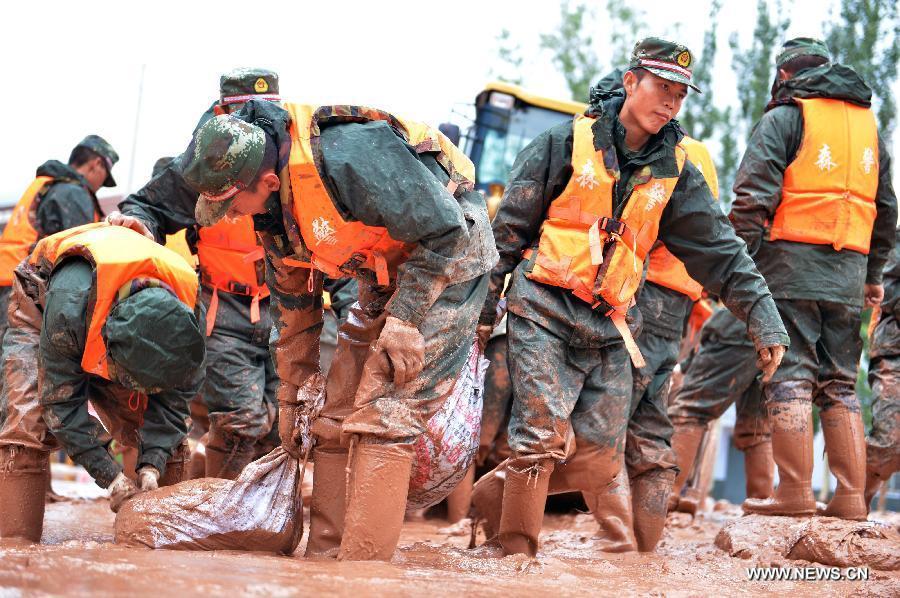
(262, 510)
(444, 453)
(841, 543)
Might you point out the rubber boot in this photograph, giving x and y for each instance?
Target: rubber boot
(327, 503)
(845, 444)
(759, 470)
(487, 502)
(524, 499)
(685, 441)
(379, 483)
(227, 454)
(460, 500)
(873, 484)
(649, 498)
(177, 466)
(198, 463)
(23, 483)
(792, 444)
(612, 511)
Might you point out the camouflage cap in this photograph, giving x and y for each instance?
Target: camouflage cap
(664, 59)
(801, 46)
(100, 146)
(241, 85)
(223, 159)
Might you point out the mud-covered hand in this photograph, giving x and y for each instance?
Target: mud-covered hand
(288, 413)
(483, 335)
(120, 219)
(768, 360)
(405, 347)
(121, 489)
(148, 478)
(874, 294)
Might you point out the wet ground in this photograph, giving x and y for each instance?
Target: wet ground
(78, 557)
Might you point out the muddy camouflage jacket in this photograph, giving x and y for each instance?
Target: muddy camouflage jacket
(63, 384)
(69, 202)
(692, 227)
(803, 270)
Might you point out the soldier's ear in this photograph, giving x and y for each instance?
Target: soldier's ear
(629, 82)
(271, 181)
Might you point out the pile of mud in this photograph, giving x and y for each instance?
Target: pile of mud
(825, 540)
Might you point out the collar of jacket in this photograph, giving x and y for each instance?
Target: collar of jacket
(834, 81)
(658, 152)
(62, 173)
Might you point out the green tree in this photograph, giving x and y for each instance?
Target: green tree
(866, 37)
(509, 56)
(699, 115)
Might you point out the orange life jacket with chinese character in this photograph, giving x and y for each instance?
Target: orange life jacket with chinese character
(20, 234)
(586, 248)
(665, 269)
(828, 195)
(229, 255)
(340, 247)
(118, 256)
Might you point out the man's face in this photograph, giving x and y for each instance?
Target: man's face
(253, 200)
(652, 100)
(95, 172)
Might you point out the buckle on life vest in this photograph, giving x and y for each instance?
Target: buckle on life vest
(612, 226)
(239, 288)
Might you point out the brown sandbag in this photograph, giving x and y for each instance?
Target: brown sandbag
(260, 511)
(841, 543)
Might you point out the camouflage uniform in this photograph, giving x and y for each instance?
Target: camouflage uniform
(883, 442)
(239, 389)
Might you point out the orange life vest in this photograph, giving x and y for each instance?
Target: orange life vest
(828, 195)
(340, 247)
(19, 234)
(118, 256)
(228, 253)
(665, 269)
(586, 248)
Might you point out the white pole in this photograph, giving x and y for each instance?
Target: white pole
(137, 124)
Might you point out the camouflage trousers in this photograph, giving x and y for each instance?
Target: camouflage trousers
(824, 352)
(648, 441)
(240, 385)
(560, 390)
(386, 414)
(883, 441)
(722, 373)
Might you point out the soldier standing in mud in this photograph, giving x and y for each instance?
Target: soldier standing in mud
(582, 211)
(352, 191)
(60, 197)
(719, 375)
(815, 205)
(883, 442)
(111, 318)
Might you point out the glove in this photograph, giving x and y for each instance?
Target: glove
(120, 490)
(148, 478)
(288, 413)
(120, 219)
(405, 347)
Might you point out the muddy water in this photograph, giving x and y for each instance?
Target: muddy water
(78, 557)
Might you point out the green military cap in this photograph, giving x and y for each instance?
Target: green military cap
(241, 85)
(664, 59)
(154, 340)
(100, 146)
(223, 159)
(801, 46)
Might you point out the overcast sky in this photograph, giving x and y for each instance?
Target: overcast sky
(74, 68)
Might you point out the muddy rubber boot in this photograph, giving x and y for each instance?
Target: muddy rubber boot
(685, 441)
(177, 466)
(792, 449)
(612, 511)
(524, 499)
(198, 463)
(327, 503)
(459, 502)
(227, 454)
(23, 484)
(873, 485)
(759, 470)
(379, 483)
(487, 502)
(649, 498)
(845, 444)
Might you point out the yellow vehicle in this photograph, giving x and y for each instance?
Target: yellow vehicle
(507, 118)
